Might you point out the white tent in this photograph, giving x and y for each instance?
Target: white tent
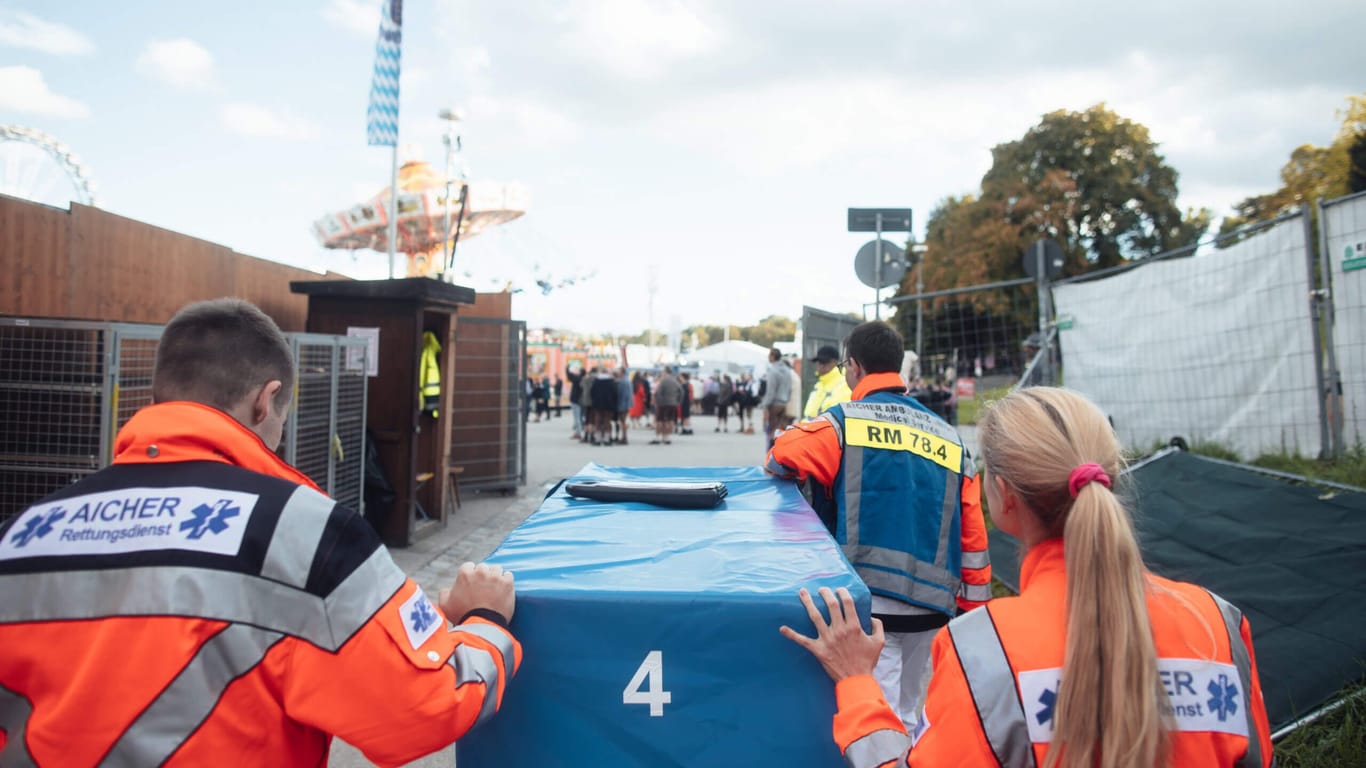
(645, 356)
(731, 356)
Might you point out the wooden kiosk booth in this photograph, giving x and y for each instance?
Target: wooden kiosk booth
(413, 447)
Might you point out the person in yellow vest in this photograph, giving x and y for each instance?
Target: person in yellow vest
(429, 378)
(831, 389)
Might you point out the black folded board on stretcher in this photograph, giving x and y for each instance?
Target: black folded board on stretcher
(1291, 555)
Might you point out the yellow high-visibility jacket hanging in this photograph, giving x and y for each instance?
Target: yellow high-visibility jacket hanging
(429, 376)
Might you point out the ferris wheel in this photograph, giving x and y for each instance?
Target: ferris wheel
(38, 167)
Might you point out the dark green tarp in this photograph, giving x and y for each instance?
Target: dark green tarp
(1291, 556)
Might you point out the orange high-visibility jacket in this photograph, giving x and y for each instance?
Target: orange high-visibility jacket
(815, 450)
(178, 608)
(995, 681)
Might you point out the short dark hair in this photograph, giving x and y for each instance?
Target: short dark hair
(876, 346)
(216, 352)
(774, 355)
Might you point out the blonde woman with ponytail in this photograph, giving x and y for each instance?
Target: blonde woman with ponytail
(1096, 663)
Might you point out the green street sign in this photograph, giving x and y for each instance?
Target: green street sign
(1350, 263)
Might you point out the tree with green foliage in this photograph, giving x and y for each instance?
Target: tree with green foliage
(1092, 180)
(1356, 173)
(770, 329)
(1123, 205)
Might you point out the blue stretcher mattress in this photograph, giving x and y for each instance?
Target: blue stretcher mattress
(619, 604)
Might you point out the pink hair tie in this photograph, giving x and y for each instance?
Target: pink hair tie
(1086, 473)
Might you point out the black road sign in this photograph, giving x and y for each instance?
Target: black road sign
(1052, 258)
(893, 219)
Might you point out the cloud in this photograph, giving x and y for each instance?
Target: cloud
(181, 62)
(23, 30)
(528, 121)
(23, 89)
(530, 124)
(637, 39)
(257, 121)
(355, 16)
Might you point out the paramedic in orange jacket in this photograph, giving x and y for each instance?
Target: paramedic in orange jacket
(1096, 660)
(200, 602)
(894, 485)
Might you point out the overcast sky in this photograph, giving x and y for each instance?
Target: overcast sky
(718, 144)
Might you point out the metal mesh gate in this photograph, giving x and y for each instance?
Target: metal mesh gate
(819, 328)
(135, 354)
(67, 387)
(52, 409)
(488, 434)
(1343, 238)
(325, 433)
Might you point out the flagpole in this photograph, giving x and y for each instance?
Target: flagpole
(381, 117)
(393, 209)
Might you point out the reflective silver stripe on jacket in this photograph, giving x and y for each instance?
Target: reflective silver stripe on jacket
(977, 593)
(923, 582)
(15, 711)
(853, 495)
(834, 422)
(297, 533)
(476, 665)
(979, 559)
(947, 510)
(992, 684)
(208, 594)
(778, 468)
(1233, 622)
(183, 706)
(496, 637)
(877, 748)
(364, 591)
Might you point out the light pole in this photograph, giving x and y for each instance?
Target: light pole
(452, 141)
(918, 252)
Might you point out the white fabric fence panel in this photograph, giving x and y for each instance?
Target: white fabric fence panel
(1344, 222)
(1216, 347)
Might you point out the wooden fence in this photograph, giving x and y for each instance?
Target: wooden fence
(89, 264)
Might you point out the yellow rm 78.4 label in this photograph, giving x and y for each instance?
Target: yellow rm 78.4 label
(899, 437)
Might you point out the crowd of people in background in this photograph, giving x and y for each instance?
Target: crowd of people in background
(607, 402)
(720, 394)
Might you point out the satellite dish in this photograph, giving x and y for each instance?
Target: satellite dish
(1052, 258)
(893, 264)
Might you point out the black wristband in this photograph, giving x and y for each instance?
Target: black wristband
(485, 613)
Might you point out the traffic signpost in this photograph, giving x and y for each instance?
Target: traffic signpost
(879, 220)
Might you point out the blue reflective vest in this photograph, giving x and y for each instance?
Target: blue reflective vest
(898, 498)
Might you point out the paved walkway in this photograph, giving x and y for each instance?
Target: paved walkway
(484, 520)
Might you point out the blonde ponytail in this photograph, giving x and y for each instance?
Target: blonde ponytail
(1109, 709)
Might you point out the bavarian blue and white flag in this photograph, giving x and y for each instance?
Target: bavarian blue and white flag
(381, 119)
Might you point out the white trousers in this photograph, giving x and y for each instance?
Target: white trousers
(903, 670)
